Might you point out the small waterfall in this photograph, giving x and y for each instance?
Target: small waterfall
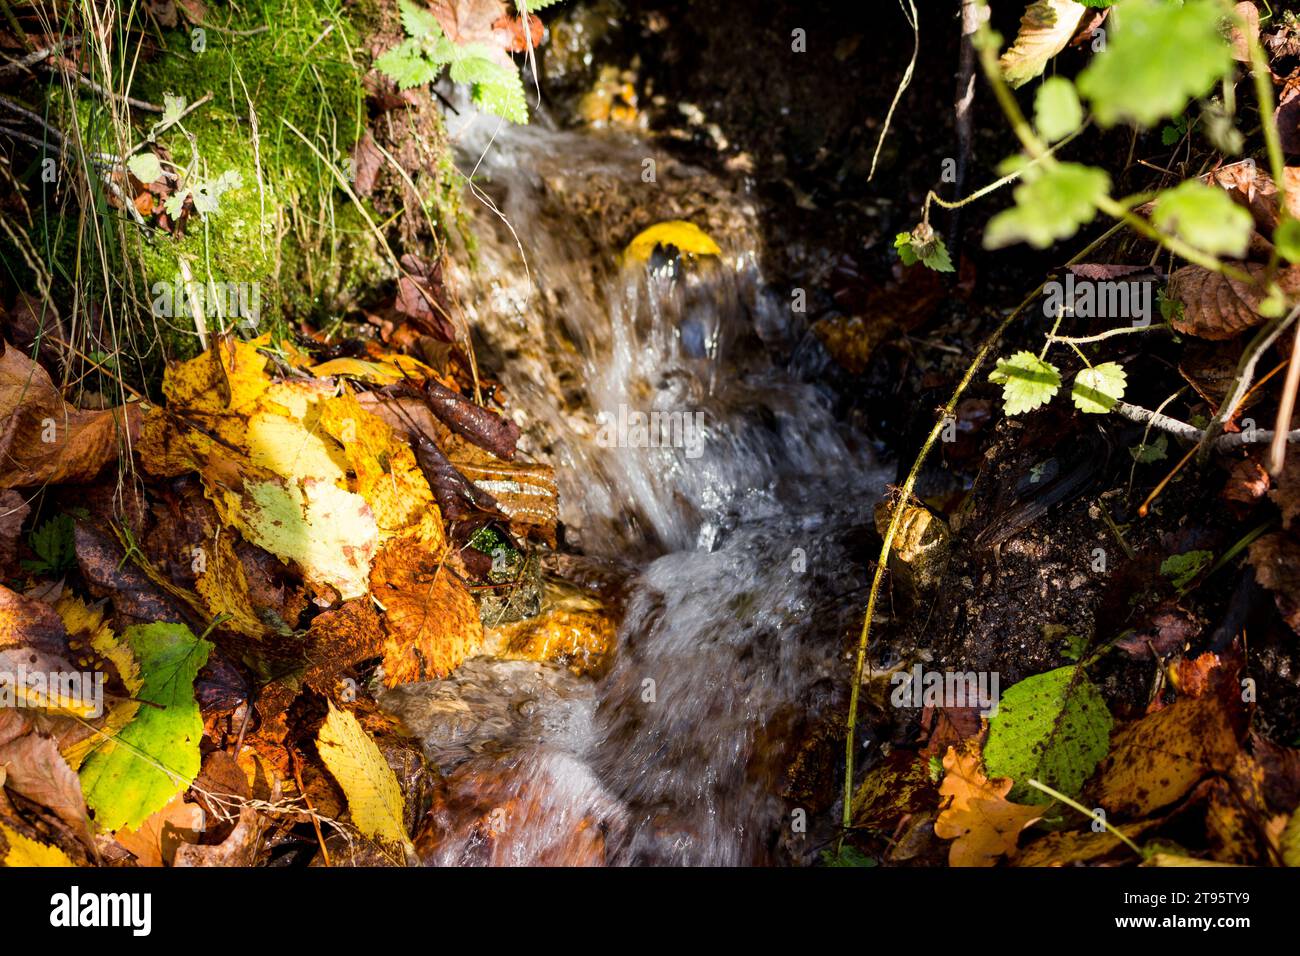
(740, 507)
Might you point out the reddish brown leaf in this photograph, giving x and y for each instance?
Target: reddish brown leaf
(1217, 307)
(1276, 559)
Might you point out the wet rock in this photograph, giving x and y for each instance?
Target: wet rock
(573, 629)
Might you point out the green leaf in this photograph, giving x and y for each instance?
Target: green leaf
(932, 253)
(1286, 238)
(54, 545)
(1097, 389)
(1182, 568)
(1045, 29)
(1148, 452)
(1027, 382)
(207, 195)
(1050, 205)
(1057, 110)
(418, 21)
(173, 107)
(156, 756)
(1204, 216)
(407, 66)
(1161, 56)
(503, 96)
(145, 167)
(847, 856)
(1054, 728)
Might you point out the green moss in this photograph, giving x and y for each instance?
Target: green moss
(288, 228)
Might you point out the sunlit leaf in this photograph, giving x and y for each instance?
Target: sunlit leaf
(1161, 55)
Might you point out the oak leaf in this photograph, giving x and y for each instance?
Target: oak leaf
(977, 817)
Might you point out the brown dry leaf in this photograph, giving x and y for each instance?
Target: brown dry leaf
(1045, 29)
(367, 160)
(1159, 758)
(339, 641)
(431, 621)
(14, 510)
(1217, 307)
(238, 849)
(1247, 483)
(43, 439)
(1287, 494)
(1276, 559)
(158, 838)
(977, 817)
(1194, 677)
(1248, 14)
(526, 493)
(475, 21)
(33, 767)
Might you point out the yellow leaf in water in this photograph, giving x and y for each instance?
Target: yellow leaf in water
(686, 237)
(374, 797)
(25, 852)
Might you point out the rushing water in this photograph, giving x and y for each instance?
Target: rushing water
(738, 533)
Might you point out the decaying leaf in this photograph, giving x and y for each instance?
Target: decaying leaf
(156, 840)
(14, 510)
(1159, 758)
(43, 439)
(1045, 29)
(33, 767)
(1218, 307)
(374, 798)
(431, 621)
(1276, 559)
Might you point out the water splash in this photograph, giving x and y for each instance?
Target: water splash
(744, 529)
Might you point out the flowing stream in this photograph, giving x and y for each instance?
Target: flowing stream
(739, 536)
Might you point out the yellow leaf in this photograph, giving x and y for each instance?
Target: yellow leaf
(223, 585)
(390, 370)
(25, 852)
(284, 435)
(686, 237)
(387, 475)
(330, 534)
(977, 817)
(87, 624)
(1045, 29)
(374, 798)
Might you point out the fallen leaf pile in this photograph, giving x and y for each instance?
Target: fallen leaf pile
(299, 529)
